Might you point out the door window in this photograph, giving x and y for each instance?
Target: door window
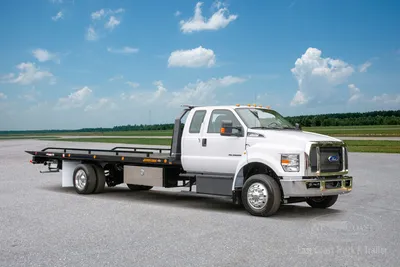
(217, 116)
(197, 120)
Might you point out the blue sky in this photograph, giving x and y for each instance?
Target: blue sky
(94, 63)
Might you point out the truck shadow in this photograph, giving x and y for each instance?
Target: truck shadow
(186, 199)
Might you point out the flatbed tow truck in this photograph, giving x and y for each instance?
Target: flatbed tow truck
(249, 153)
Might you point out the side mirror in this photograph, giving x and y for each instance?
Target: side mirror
(227, 129)
(298, 126)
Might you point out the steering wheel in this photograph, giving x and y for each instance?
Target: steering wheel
(273, 123)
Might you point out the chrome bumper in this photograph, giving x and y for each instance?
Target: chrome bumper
(316, 187)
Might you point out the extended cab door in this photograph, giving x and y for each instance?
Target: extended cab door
(221, 154)
(191, 141)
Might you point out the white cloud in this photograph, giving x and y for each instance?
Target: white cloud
(116, 77)
(112, 23)
(217, 21)
(43, 55)
(160, 89)
(103, 13)
(28, 74)
(387, 99)
(146, 97)
(108, 18)
(133, 84)
(2, 96)
(298, 99)
(59, 16)
(124, 50)
(177, 13)
(75, 99)
(355, 93)
(193, 58)
(98, 14)
(202, 91)
(91, 34)
(365, 66)
(100, 104)
(317, 76)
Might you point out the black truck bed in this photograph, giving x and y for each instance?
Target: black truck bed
(124, 155)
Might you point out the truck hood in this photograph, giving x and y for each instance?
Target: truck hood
(299, 136)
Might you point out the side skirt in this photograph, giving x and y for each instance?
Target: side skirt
(214, 184)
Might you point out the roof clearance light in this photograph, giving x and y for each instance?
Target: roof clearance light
(238, 105)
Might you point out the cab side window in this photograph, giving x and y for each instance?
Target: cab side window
(217, 116)
(197, 120)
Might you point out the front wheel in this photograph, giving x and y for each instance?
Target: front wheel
(261, 195)
(322, 202)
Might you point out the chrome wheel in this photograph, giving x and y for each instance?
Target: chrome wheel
(80, 179)
(257, 196)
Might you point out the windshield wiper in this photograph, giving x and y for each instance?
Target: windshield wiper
(265, 127)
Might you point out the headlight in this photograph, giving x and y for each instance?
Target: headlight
(290, 162)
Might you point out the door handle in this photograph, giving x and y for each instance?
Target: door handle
(204, 142)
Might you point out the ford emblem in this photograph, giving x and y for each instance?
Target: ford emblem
(333, 158)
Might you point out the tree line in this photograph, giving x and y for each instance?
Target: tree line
(391, 117)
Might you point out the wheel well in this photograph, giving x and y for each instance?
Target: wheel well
(260, 168)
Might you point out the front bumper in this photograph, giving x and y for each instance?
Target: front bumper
(314, 187)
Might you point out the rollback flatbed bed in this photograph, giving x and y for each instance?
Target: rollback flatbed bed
(249, 153)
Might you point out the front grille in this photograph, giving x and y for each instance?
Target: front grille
(326, 157)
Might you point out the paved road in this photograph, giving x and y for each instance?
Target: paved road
(42, 224)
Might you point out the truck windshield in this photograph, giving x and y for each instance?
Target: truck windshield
(258, 118)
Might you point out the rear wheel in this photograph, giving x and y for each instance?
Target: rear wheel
(84, 179)
(136, 187)
(101, 179)
(322, 202)
(261, 195)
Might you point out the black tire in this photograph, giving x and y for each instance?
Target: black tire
(273, 201)
(136, 187)
(322, 202)
(91, 179)
(101, 179)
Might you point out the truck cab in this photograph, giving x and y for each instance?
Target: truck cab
(261, 159)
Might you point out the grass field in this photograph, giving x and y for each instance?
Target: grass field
(358, 131)
(376, 146)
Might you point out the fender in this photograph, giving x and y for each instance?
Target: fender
(267, 154)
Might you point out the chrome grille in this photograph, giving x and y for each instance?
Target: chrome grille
(322, 158)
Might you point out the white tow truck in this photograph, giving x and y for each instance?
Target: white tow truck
(249, 153)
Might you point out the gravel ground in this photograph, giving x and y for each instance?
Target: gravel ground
(42, 224)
